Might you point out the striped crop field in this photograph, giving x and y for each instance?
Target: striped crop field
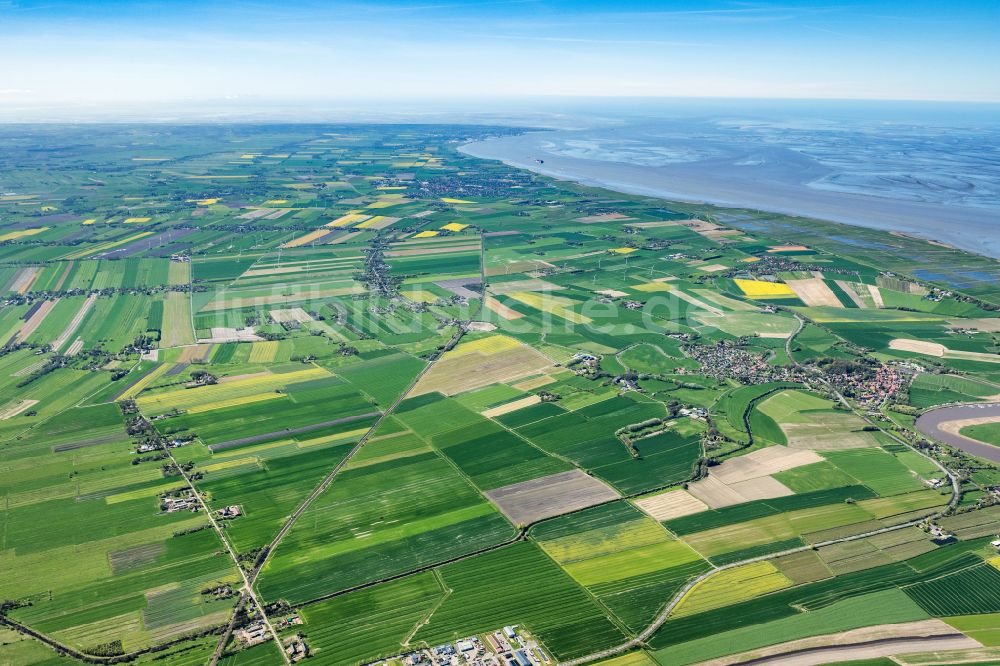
(732, 586)
(411, 397)
(183, 399)
(264, 352)
(233, 402)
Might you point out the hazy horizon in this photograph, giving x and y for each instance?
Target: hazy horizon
(114, 58)
(542, 112)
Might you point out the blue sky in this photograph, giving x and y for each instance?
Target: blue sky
(127, 51)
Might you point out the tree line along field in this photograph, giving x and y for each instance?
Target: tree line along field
(422, 397)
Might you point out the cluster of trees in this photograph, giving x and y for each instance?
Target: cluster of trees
(51, 364)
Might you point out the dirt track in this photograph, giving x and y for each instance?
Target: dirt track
(870, 650)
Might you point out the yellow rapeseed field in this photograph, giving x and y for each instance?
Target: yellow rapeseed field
(556, 305)
(732, 586)
(308, 238)
(101, 247)
(653, 286)
(623, 250)
(263, 352)
(481, 362)
(187, 398)
(153, 375)
(348, 219)
(456, 201)
(426, 234)
(454, 226)
(755, 288)
(227, 464)
(13, 235)
(137, 220)
(371, 221)
(493, 344)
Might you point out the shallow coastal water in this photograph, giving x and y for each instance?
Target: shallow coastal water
(943, 186)
(930, 423)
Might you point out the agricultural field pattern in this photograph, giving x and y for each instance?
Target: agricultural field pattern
(344, 393)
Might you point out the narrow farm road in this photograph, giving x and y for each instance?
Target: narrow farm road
(251, 577)
(640, 639)
(247, 592)
(648, 632)
(328, 479)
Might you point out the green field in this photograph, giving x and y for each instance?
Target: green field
(380, 519)
(628, 561)
(881, 607)
(373, 622)
(360, 349)
(928, 390)
(987, 432)
(519, 585)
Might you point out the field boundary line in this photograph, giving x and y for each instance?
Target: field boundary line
(329, 478)
(521, 535)
(331, 475)
(445, 593)
(276, 434)
(836, 646)
(66, 650)
(647, 633)
(248, 592)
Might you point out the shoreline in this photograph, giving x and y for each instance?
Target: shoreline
(933, 423)
(895, 216)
